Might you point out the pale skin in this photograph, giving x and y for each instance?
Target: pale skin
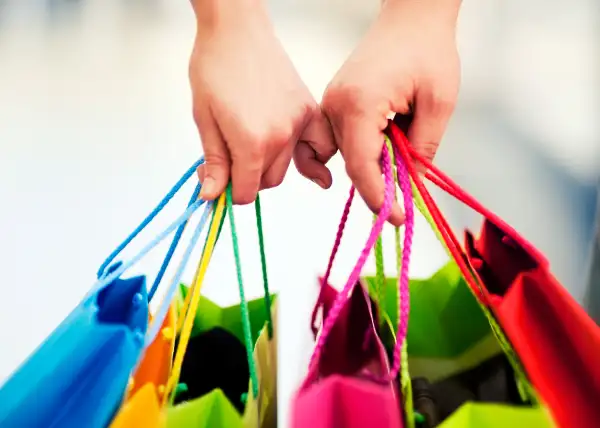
(255, 114)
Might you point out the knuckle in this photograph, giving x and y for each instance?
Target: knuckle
(255, 152)
(428, 150)
(441, 103)
(272, 180)
(280, 136)
(243, 198)
(306, 111)
(215, 159)
(340, 96)
(273, 137)
(353, 169)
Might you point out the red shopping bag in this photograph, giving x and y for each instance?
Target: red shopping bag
(557, 343)
(350, 382)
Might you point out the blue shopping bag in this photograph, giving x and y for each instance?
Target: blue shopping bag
(78, 376)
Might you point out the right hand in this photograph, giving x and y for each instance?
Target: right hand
(250, 105)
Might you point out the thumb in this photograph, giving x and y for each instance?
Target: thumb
(314, 149)
(431, 116)
(214, 173)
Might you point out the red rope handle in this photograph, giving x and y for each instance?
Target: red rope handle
(398, 138)
(445, 183)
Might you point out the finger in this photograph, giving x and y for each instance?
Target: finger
(275, 174)
(309, 166)
(362, 143)
(214, 174)
(431, 116)
(246, 172)
(315, 148)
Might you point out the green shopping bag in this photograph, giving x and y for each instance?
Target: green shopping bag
(497, 416)
(451, 341)
(448, 335)
(224, 348)
(447, 332)
(211, 315)
(259, 412)
(211, 410)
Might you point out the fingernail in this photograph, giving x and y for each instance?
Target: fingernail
(319, 182)
(398, 217)
(207, 187)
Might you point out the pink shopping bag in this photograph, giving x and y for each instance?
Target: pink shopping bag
(350, 383)
(339, 390)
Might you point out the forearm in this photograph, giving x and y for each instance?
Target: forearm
(444, 11)
(214, 13)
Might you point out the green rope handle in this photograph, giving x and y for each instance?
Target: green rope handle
(379, 272)
(263, 261)
(243, 303)
(259, 226)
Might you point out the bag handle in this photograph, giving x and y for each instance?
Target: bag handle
(104, 267)
(193, 300)
(163, 309)
(193, 297)
(446, 236)
(379, 264)
(336, 246)
(405, 383)
(403, 276)
(119, 269)
(343, 296)
(446, 184)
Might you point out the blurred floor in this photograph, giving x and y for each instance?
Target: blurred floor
(95, 124)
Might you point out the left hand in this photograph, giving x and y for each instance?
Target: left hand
(407, 63)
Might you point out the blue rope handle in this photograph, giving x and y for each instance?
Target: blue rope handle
(148, 219)
(117, 272)
(163, 309)
(172, 248)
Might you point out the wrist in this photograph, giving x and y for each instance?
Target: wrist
(212, 14)
(444, 12)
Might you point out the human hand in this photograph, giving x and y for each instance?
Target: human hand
(407, 64)
(250, 105)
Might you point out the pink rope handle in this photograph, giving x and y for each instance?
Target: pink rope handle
(344, 295)
(340, 232)
(403, 277)
(334, 251)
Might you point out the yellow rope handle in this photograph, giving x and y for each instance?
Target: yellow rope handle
(193, 300)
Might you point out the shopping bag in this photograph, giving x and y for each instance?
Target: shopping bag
(262, 411)
(146, 404)
(210, 315)
(208, 342)
(82, 368)
(554, 339)
(142, 409)
(158, 357)
(448, 333)
(496, 416)
(79, 375)
(452, 354)
(543, 323)
(221, 405)
(472, 371)
(217, 363)
(349, 381)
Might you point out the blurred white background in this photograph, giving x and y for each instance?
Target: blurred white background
(95, 126)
